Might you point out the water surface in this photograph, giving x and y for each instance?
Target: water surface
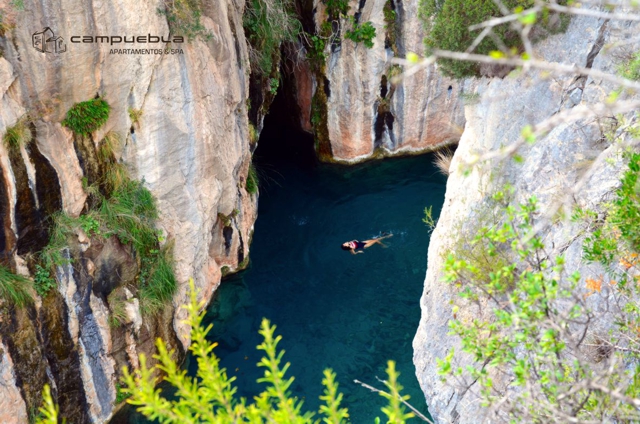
(333, 309)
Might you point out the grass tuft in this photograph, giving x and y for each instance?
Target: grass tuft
(18, 135)
(158, 289)
(269, 23)
(443, 161)
(86, 117)
(252, 180)
(15, 288)
(117, 302)
(135, 115)
(108, 146)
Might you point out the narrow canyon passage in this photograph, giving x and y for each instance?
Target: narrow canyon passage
(334, 310)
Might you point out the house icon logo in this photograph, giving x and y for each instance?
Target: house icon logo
(46, 41)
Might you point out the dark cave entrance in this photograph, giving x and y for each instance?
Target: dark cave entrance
(282, 141)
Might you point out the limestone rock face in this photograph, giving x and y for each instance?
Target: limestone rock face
(367, 112)
(190, 148)
(552, 166)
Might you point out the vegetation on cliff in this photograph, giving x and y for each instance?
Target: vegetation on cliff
(86, 117)
(268, 24)
(18, 135)
(124, 208)
(447, 25)
(542, 330)
(184, 17)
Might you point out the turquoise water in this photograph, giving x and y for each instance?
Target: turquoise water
(333, 309)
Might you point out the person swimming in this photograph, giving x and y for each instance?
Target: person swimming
(354, 245)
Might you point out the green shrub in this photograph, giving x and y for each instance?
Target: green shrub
(86, 117)
(362, 33)
(447, 21)
(252, 180)
(18, 135)
(183, 17)
(623, 219)
(631, 68)
(48, 410)
(14, 288)
(539, 350)
(211, 396)
(336, 9)
(274, 83)
(315, 53)
(43, 281)
(267, 24)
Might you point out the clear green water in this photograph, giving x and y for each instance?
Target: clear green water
(333, 309)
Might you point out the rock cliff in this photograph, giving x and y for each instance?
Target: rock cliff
(191, 149)
(551, 167)
(350, 97)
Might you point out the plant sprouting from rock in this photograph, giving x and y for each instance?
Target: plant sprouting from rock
(18, 135)
(537, 352)
(361, 33)
(86, 117)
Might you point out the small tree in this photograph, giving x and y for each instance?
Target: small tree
(210, 396)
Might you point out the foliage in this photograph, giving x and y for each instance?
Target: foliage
(274, 83)
(362, 33)
(14, 288)
(447, 21)
(135, 115)
(337, 8)
(86, 117)
(18, 135)
(210, 396)
(43, 281)
(158, 284)
(622, 220)
(631, 68)
(252, 180)
(428, 219)
(129, 213)
(536, 347)
(183, 17)
(48, 410)
(316, 53)
(117, 303)
(121, 396)
(268, 24)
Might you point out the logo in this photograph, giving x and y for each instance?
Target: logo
(46, 41)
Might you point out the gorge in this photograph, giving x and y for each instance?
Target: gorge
(183, 133)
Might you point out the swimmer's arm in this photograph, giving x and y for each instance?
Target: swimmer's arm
(353, 252)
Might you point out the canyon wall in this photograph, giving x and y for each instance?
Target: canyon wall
(551, 167)
(190, 148)
(353, 101)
